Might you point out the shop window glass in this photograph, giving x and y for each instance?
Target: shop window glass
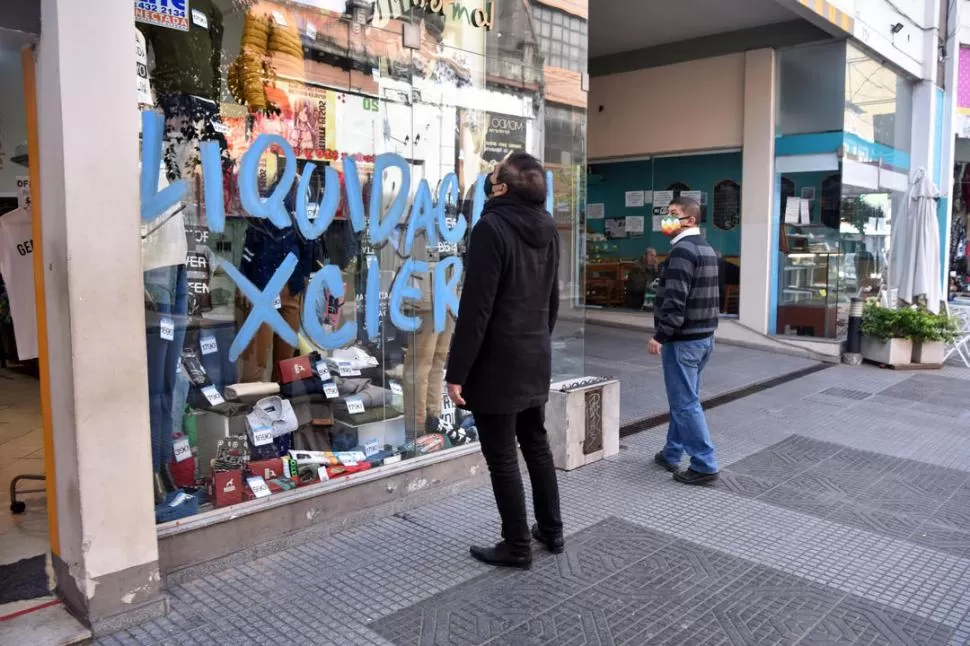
(556, 31)
(283, 345)
(878, 106)
(811, 89)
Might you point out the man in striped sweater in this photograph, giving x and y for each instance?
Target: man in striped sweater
(686, 305)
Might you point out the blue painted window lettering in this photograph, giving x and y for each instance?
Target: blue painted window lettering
(427, 217)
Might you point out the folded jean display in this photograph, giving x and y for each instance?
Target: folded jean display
(178, 504)
(251, 392)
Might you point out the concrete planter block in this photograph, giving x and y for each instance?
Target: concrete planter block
(895, 352)
(929, 352)
(583, 421)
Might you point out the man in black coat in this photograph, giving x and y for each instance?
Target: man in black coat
(500, 364)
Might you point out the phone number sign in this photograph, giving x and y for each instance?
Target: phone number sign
(173, 14)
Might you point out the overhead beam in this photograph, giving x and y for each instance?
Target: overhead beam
(785, 34)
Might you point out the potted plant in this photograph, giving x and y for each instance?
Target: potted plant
(884, 337)
(930, 333)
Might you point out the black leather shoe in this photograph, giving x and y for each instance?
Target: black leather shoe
(501, 556)
(662, 461)
(554, 544)
(691, 477)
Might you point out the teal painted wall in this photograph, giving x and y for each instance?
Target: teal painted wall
(699, 172)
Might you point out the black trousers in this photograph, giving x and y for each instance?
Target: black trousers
(498, 435)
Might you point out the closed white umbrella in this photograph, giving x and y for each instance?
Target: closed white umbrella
(915, 270)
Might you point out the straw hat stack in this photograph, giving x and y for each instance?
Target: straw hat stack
(248, 73)
(286, 49)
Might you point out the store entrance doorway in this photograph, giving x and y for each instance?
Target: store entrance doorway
(25, 529)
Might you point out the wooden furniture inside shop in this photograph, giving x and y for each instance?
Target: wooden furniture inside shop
(606, 282)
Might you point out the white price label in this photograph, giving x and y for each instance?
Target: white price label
(258, 486)
(262, 436)
(280, 20)
(167, 329)
(323, 371)
(311, 31)
(220, 127)
(345, 369)
(322, 474)
(208, 344)
(371, 447)
(183, 450)
(396, 388)
(200, 19)
(213, 395)
(330, 390)
(277, 303)
(355, 406)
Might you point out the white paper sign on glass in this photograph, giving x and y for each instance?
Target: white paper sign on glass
(634, 199)
(595, 211)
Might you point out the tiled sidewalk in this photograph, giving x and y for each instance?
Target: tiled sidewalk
(841, 518)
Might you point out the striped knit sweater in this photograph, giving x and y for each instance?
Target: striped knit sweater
(688, 299)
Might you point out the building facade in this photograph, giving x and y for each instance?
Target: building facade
(795, 123)
(250, 243)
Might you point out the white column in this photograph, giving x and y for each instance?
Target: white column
(948, 154)
(757, 188)
(88, 128)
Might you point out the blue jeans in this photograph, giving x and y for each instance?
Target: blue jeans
(168, 290)
(683, 363)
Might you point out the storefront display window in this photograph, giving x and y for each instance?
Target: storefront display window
(837, 209)
(309, 177)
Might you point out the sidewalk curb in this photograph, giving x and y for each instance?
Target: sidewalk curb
(653, 421)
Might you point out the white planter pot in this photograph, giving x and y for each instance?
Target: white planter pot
(929, 352)
(895, 352)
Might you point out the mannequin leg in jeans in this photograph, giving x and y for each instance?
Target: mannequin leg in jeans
(169, 300)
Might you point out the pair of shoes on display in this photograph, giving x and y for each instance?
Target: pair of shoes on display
(685, 476)
(502, 556)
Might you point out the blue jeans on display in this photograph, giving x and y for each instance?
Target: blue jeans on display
(683, 362)
(167, 297)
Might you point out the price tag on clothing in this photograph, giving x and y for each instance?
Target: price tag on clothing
(311, 31)
(330, 390)
(277, 303)
(355, 406)
(213, 395)
(258, 486)
(220, 127)
(323, 371)
(396, 388)
(167, 329)
(200, 19)
(372, 447)
(280, 20)
(183, 450)
(346, 369)
(262, 436)
(208, 344)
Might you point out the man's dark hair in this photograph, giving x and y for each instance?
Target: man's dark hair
(690, 207)
(525, 177)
